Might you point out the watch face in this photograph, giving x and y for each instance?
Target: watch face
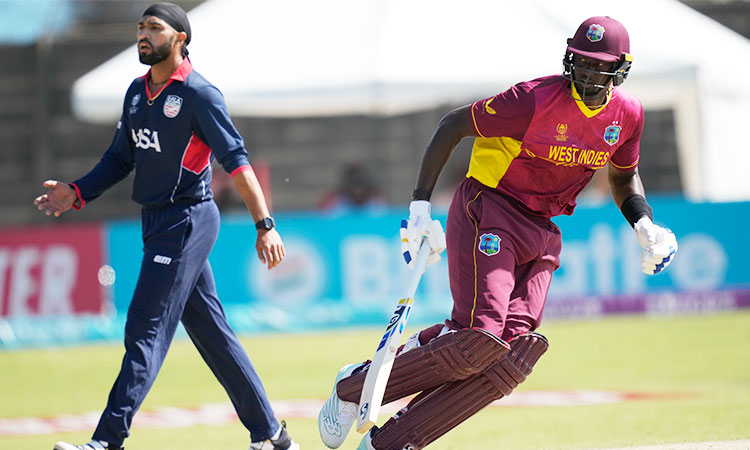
(265, 224)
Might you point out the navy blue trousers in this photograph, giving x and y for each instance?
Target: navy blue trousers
(176, 284)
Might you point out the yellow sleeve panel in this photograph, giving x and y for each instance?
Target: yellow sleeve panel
(491, 157)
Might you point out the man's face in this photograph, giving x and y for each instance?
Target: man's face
(156, 40)
(589, 81)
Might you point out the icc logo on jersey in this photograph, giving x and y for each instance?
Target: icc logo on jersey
(134, 103)
(172, 106)
(561, 128)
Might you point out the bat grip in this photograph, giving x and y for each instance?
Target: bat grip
(419, 267)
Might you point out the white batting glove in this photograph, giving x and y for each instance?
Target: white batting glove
(659, 245)
(421, 226)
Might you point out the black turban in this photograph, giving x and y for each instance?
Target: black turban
(172, 14)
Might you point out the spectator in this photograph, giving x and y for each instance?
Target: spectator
(356, 190)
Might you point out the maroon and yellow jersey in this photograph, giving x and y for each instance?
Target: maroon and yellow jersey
(540, 147)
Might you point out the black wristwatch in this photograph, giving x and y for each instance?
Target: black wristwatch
(265, 223)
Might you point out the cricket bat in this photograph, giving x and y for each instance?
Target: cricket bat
(373, 388)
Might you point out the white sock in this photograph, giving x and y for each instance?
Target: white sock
(276, 435)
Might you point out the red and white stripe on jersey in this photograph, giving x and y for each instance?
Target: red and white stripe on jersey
(197, 156)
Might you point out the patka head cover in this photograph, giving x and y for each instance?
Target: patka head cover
(172, 14)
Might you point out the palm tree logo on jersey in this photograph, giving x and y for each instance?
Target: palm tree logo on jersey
(489, 244)
(612, 133)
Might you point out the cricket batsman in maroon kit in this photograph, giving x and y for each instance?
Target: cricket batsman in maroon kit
(536, 146)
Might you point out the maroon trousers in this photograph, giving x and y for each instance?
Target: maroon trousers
(500, 262)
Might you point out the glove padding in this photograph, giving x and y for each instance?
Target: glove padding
(421, 226)
(659, 246)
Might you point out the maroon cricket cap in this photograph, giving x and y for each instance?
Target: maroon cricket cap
(601, 38)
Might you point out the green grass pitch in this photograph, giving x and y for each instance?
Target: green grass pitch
(703, 360)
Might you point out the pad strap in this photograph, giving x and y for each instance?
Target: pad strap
(432, 414)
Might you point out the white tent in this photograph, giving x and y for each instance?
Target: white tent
(292, 58)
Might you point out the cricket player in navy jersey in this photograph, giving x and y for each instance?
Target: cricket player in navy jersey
(536, 146)
(174, 122)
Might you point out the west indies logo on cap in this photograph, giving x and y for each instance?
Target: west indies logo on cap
(595, 33)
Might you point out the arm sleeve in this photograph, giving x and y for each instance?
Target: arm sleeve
(214, 127)
(505, 115)
(627, 155)
(116, 163)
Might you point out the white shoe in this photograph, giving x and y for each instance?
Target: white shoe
(93, 445)
(337, 416)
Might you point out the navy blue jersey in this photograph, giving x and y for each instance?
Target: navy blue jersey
(170, 138)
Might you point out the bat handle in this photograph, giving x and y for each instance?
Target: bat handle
(419, 267)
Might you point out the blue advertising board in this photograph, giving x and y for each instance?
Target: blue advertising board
(345, 269)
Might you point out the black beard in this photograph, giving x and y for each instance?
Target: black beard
(157, 55)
